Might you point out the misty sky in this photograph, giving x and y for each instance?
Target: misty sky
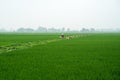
(60, 13)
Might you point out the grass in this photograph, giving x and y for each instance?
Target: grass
(93, 57)
(10, 38)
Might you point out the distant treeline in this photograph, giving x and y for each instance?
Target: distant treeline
(44, 30)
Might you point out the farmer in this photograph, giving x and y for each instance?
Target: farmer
(62, 35)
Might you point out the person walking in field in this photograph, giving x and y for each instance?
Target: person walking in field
(62, 35)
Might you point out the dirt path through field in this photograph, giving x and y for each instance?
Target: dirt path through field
(14, 47)
(18, 46)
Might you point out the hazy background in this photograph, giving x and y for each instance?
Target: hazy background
(73, 14)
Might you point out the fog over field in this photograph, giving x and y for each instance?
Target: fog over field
(59, 39)
(73, 14)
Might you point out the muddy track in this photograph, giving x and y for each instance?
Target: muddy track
(14, 47)
(26, 45)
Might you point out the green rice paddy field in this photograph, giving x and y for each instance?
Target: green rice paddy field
(33, 56)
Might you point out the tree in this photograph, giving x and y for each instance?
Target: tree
(41, 29)
(25, 30)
